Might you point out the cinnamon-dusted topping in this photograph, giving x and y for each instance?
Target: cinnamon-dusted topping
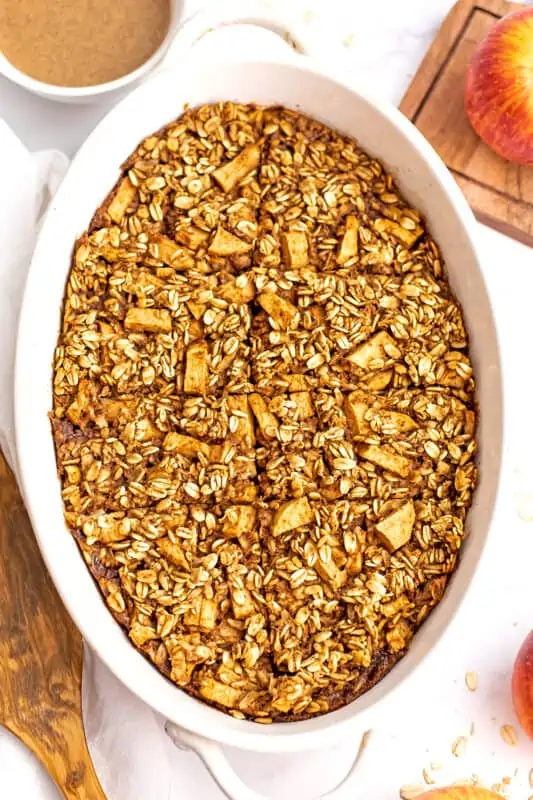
(264, 412)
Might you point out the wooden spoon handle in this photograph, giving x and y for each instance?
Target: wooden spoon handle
(69, 764)
(41, 655)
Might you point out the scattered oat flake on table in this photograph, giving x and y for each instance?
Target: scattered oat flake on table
(428, 778)
(411, 790)
(508, 734)
(348, 40)
(308, 15)
(524, 506)
(459, 746)
(471, 681)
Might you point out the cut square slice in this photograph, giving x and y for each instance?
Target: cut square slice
(140, 452)
(147, 330)
(174, 578)
(310, 567)
(411, 441)
(304, 448)
(306, 323)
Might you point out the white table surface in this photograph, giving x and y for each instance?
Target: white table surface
(382, 43)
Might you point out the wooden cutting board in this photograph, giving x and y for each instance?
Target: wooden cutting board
(500, 193)
(41, 656)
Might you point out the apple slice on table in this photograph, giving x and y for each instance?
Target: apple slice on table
(459, 793)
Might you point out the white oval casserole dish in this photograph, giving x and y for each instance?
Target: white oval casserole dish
(299, 83)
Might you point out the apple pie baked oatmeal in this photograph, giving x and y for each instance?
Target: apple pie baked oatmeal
(264, 411)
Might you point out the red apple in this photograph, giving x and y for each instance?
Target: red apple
(499, 87)
(522, 686)
(459, 793)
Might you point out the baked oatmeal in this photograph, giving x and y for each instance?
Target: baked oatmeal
(264, 411)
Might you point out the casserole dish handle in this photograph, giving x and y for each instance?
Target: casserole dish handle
(227, 779)
(275, 18)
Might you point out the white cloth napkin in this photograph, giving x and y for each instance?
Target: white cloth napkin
(133, 757)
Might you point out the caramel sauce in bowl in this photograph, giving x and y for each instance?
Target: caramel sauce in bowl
(75, 50)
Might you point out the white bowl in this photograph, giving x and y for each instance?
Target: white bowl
(296, 82)
(86, 94)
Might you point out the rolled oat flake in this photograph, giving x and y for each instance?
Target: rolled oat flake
(81, 42)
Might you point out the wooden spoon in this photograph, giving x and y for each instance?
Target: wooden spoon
(41, 656)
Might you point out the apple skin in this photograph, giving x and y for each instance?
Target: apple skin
(459, 793)
(522, 686)
(499, 87)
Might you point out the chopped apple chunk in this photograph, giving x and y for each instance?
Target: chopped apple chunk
(470, 422)
(400, 423)
(292, 514)
(373, 350)
(154, 320)
(220, 693)
(297, 382)
(395, 530)
(230, 174)
(355, 408)
(304, 404)
(330, 573)
(192, 237)
(196, 309)
(223, 452)
(185, 445)
(196, 379)
(349, 246)
(241, 290)
(242, 603)
(399, 637)
(240, 407)
(195, 330)
(144, 431)
(208, 615)
(265, 419)
(378, 381)
(386, 459)
(247, 493)
(191, 618)
(282, 311)
(238, 520)
(140, 634)
(394, 606)
(172, 254)
(107, 528)
(113, 410)
(124, 197)
(227, 244)
(295, 249)
(181, 667)
(406, 237)
(80, 408)
(173, 552)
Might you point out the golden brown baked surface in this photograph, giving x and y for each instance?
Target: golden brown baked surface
(264, 411)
